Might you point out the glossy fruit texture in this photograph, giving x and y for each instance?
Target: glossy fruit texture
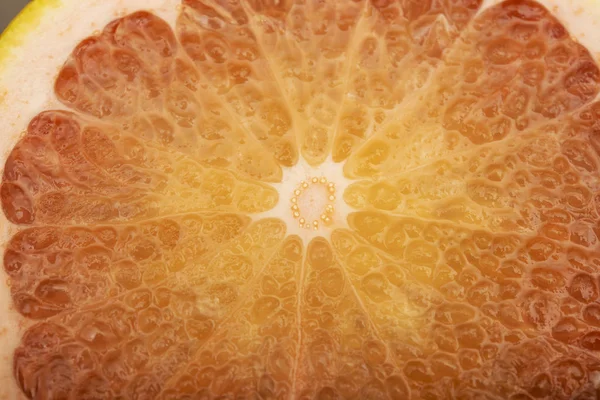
(147, 264)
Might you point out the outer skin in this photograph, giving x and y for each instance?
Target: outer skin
(21, 24)
(11, 38)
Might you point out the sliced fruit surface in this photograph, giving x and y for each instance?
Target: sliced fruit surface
(350, 199)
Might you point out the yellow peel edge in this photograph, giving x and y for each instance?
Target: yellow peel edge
(21, 25)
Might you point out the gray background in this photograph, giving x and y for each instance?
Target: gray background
(9, 9)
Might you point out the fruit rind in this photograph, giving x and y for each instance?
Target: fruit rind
(22, 25)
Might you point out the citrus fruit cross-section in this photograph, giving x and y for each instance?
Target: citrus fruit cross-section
(345, 199)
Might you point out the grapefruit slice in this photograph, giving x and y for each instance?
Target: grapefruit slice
(362, 199)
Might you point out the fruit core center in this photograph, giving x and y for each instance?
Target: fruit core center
(312, 202)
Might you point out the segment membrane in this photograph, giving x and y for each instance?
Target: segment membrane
(70, 170)
(401, 43)
(467, 269)
(138, 77)
(222, 46)
(514, 68)
(312, 46)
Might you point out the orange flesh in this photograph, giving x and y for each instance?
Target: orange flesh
(468, 271)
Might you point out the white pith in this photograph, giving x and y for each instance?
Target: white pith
(26, 88)
(292, 177)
